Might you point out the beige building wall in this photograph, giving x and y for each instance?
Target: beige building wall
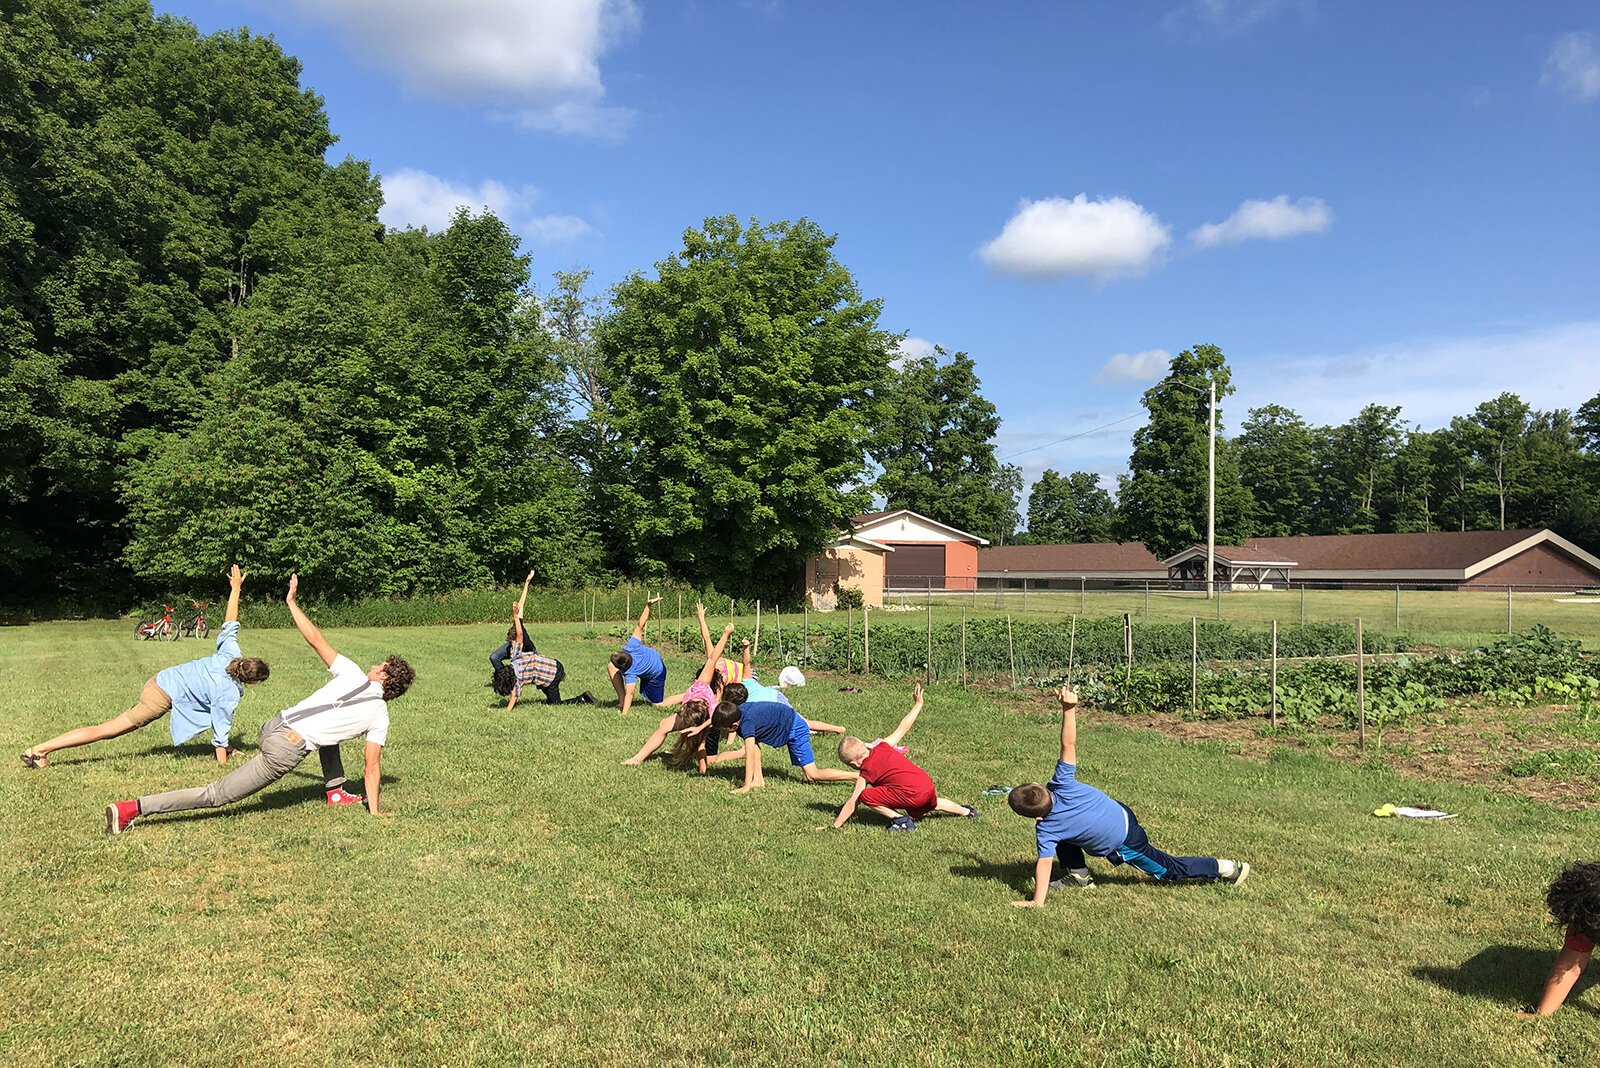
(853, 569)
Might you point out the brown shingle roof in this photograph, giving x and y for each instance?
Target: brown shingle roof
(1087, 558)
(1442, 550)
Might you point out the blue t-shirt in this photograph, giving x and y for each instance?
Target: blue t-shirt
(760, 691)
(1080, 815)
(647, 664)
(203, 693)
(768, 722)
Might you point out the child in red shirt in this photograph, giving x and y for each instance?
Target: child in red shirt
(888, 782)
(1574, 901)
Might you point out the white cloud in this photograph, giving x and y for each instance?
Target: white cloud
(1431, 379)
(1273, 220)
(1146, 366)
(538, 60)
(1055, 238)
(911, 348)
(1573, 67)
(1233, 16)
(416, 198)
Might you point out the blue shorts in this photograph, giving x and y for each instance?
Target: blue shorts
(800, 753)
(653, 689)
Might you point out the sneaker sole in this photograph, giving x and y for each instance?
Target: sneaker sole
(1244, 873)
(113, 825)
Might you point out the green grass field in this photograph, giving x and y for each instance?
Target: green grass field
(527, 900)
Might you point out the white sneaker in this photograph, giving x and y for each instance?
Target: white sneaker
(1238, 871)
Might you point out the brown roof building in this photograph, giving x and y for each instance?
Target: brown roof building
(1444, 559)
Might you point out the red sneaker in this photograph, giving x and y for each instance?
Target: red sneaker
(119, 815)
(340, 796)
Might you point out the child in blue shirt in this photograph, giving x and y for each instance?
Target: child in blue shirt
(637, 668)
(1074, 818)
(774, 724)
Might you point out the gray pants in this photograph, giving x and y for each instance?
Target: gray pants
(281, 752)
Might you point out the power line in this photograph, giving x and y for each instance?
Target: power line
(1069, 437)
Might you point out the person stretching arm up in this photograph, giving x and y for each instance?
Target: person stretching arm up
(637, 668)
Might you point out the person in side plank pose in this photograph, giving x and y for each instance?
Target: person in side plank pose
(354, 703)
(889, 783)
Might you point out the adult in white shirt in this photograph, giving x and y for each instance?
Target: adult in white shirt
(354, 703)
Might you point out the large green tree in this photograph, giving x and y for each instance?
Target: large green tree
(1355, 471)
(737, 384)
(1162, 499)
(148, 175)
(385, 427)
(934, 440)
(1277, 465)
(1499, 443)
(1069, 508)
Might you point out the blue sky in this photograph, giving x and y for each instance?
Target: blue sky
(1358, 202)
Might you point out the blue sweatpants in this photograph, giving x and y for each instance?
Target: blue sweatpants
(1137, 851)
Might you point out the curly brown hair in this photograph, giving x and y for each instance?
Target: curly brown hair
(397, 677)
(1574, 898)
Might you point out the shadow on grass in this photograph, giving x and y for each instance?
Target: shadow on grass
(268, 800)
(1018, 875)
(1513, 976)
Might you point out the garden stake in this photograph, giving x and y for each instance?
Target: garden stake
(849, 635)
(1361, 688)
(866, 638)
(927, 666)
(1508, 609)
(1274, 674)
(1127, 645)
(964, 640)
(805, 633)
(1194, 664)
(627, 612)
(1011, 644)
(755, 646)
(777, 612)
(1072, 648)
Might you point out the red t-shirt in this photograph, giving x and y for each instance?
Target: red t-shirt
(887, 766)
(1577, 942)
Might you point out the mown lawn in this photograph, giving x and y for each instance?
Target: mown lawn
(527, 900)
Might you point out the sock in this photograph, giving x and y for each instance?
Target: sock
(1226, 868)
(1082, 873)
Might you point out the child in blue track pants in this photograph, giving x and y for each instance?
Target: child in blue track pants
(1073, 818)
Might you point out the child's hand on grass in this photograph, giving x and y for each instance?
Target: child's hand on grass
(1026, 903)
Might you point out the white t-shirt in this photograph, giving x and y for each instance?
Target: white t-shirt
(351, 704)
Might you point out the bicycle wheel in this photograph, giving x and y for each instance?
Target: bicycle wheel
(141, 629)
(201, 629)
(169, 632)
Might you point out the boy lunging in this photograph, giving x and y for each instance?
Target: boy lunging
(354, 703)
(889, 783)
(1079, 819)
(638, 668)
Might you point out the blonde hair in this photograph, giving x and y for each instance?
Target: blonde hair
(852, 750)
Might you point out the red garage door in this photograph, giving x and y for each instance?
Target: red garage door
(915, 567)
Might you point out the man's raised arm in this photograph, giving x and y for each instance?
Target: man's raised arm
(308, 630)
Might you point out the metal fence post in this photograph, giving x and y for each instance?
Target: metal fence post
(1508, 610)
(1302, 604)
(1397, 606)
(1072, 649)
(1083, 593)
(1147, 600)
(1127, 644)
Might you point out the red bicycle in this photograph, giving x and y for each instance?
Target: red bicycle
(196, 625)
(161, 630)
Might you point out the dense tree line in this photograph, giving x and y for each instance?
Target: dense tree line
(1503, 466)
(212, 350)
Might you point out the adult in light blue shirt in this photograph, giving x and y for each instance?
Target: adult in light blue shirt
(200, 694)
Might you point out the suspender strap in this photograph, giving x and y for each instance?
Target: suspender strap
(301, 714)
